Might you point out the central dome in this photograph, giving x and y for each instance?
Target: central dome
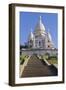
(40, 28)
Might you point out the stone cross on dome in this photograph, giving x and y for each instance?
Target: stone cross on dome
(40, 19)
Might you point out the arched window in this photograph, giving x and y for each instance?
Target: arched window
(39, 43)
(48, 46)
(48, 40)
(36, 42)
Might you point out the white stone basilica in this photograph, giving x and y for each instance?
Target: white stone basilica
(40, 38)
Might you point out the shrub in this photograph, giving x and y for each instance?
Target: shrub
(52, 57)
(23, 58)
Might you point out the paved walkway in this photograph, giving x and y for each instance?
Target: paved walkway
(36, 67)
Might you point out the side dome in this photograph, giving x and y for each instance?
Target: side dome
(49, 37)
(31, 36)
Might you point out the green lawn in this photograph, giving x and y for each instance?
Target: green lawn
(23, 58)
(51, 59)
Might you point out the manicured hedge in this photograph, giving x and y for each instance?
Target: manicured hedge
(52, 57)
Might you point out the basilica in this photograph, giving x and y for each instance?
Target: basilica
(40, 38)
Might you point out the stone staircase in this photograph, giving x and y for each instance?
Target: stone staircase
(36, 67)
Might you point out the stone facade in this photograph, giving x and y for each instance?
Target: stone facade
(40, 38)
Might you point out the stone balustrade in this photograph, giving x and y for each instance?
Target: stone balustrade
(40, 51)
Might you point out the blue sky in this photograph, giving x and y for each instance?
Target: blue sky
(29, 20)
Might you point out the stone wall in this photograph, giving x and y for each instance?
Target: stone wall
(39, 51)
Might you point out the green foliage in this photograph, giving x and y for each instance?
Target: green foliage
(51, 59)
(54, 61)
(23, 58)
